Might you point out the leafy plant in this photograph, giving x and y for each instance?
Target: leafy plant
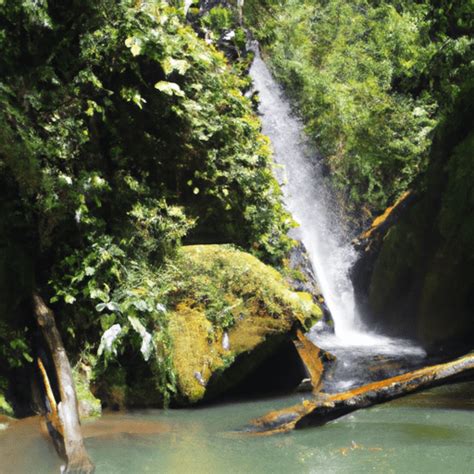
(371, 80)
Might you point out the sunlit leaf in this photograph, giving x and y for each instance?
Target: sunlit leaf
(169, 88)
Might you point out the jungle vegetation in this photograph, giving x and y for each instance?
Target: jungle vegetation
(125, 132)
(122, 134)
(371, 79)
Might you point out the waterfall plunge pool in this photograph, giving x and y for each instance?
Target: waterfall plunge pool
(429, 432)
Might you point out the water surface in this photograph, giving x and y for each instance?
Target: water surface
(430, 432)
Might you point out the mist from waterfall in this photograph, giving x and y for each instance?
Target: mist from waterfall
(308, 197)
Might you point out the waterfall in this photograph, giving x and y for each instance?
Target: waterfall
(309, 200)
(308, 197)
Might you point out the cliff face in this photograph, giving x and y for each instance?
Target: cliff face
(417, 278)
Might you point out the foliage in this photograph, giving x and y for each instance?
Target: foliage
(421, 283)
(121, 134)
(369, 77)
(5, 407)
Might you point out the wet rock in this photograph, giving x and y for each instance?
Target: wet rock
(311, 357)
(301, 277)
(370, 242)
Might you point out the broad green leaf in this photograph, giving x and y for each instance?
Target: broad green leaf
(69, 299)
(100, 307)
(134, 44)
(136, 49)
(147, 340)
(180, 65)
(169, 88)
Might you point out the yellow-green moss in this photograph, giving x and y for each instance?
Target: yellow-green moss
(228, 293)
(196, 355)
(89, 406)
(235, 283)
(5, 407)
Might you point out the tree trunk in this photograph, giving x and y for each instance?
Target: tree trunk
(327, 407)
(64, 417)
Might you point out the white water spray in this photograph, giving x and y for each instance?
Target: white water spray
(312, 205)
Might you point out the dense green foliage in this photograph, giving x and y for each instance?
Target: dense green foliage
(121, 133)
(371, 80)
(125, 132)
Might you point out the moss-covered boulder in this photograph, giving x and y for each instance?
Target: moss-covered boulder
(5, 407)
(234, 305)
(89, 406)
(224, 313)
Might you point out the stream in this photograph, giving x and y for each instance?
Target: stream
(430, 432)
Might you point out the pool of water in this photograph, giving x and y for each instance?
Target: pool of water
(430, 432)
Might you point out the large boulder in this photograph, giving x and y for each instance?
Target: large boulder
(231, 323)
(258, 316)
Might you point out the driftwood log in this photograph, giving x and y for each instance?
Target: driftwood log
(63, 417)
(326, 407)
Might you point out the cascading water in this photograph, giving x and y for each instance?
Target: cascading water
(309, 199)
(310, 202)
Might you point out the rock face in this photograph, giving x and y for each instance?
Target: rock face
(302, 277)
(417, 278)
(257, 319)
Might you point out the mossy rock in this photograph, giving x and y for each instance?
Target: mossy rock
(89, 406)
(231, 304)
(227, 313)
(5, 407)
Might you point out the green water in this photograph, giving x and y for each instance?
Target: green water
(431, 432)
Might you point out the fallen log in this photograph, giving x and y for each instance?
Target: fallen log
(63, 416)
(326, 407)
